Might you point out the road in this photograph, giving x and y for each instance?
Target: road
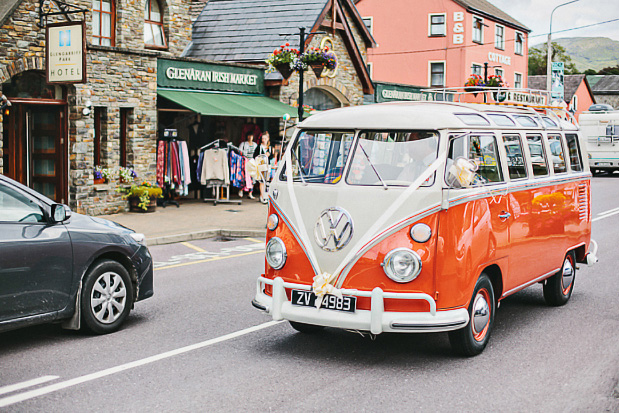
(198, 345)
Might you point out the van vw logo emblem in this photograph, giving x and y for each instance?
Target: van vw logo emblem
(333, 229)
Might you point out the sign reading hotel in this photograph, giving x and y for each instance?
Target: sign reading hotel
(203, 76)
(64, 50)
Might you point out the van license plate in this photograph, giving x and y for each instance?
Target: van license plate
(308, 299)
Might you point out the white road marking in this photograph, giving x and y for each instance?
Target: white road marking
(25, 384)
(113, 370)
(606, 214)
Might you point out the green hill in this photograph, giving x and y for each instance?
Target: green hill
(590, 52)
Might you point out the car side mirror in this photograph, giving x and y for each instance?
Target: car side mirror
(60, 213)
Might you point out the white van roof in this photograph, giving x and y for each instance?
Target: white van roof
(416, 115)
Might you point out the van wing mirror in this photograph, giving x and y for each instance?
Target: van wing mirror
(60, 213)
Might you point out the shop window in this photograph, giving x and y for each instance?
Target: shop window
(437, 25)
(103, 22)
(519, 43)
(476, 69)
(499, 37)
(125, 126)
(518, 80)
(154, 35)
(437, 74)
(478, 29)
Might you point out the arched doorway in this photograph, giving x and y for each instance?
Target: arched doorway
(324, 98)
(35, 134)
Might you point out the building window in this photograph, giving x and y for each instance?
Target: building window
(518, 80)
(519, 43)
(370, 69)
(103, 22)
(478, 29)
(125, 114)
(499, 37)
(100, 132)
(437, 25)
(437, 74)
(499, 72)
(153, 24)
(369, 22)
(574, 104)
(476, 69)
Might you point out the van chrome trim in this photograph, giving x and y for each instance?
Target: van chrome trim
(528, 283)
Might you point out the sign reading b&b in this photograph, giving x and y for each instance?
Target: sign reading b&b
(65, 53)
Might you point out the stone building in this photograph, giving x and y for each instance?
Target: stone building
(55, 135)
(248, 31)
(605, 88)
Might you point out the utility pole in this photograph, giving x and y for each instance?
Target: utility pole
(302, 50)
(549, 57)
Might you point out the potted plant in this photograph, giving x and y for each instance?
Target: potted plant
(143, 197)
(101, 175)
(318, 59)
(127, 174)
(283, 60)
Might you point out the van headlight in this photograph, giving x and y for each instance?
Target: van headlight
(402, 265)
(276, 253)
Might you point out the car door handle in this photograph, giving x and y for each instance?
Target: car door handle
(505, 215)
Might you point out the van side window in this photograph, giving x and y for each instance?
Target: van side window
(515, 157)
(574, 149)
(538, 155)
(481, 149)
(557, 153)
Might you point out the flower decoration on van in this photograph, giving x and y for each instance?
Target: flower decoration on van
(283, 60)
(322, 285)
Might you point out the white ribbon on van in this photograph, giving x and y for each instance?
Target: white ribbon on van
(324, 283)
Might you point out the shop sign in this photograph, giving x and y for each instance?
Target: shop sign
(499, 58)
(65, 47)
(390, 93)
(204, 76)
(522, 98)
(458, 29)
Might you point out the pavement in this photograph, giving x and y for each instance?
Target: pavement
(197, 219)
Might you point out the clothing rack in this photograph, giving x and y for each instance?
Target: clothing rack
(167, 192)
(218, 189)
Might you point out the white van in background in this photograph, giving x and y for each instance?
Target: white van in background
(600, 128)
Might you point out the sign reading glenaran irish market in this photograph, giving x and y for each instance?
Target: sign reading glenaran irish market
(64, 50)
(386, 92)
(205, 76)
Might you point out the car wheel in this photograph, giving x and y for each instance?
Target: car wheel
(107, 297)
(305, 328)
(558, 288)
(472, 339)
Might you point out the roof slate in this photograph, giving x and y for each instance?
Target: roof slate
(488, 8)
(606, 84)
(571, 84)
(249, 30)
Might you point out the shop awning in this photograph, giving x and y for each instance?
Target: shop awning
(222, 104)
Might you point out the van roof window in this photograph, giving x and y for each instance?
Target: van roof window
(549, 122)
(526, 121)
(501, 120)
(473, 119)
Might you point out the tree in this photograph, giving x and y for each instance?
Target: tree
(609, 71)
(539, 56)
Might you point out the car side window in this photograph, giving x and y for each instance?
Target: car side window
(557, 154)
(515, 157)
(538, 155)
(574, 149)
(482, 150)
(16, 207)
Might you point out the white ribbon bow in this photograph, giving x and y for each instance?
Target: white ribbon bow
(323, 285)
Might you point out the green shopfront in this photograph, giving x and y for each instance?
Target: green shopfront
(205, 102)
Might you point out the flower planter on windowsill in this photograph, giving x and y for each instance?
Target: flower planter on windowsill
(134, 204)
(99, 181)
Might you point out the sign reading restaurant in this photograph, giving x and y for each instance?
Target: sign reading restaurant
(64, 50)
(204, 76)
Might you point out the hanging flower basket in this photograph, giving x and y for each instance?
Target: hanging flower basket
(282, 59)
(318, 68)
(319, 59)
(284, 69)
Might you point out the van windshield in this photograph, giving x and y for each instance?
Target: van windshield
(392, 158)
(319, 156)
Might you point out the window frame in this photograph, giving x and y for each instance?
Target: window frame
(430, 63)
(499, 72)
(371, 21)
(430, 24)
(515, 81)
(31, 199)
(481, 30)
(544, 155)
(157, 23)
(499, 162)
(112, 14)
(578, 151)
(481, 69)
(497, 45)
(518, 35)
(563, 147)
(522, 152)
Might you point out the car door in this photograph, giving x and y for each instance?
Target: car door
(36, 258)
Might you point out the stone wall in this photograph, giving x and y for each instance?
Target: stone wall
(612, 100)
(119, 77)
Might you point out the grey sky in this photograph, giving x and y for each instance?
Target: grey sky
(535, 14)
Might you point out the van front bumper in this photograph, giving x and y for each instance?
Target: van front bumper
(376, 320)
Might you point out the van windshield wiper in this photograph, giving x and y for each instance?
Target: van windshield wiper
(372, 165)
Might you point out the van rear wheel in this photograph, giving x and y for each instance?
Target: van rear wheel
(558, 288)
(305, 328)
(472, 339)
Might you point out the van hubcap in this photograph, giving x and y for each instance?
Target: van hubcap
(481, 314)
(567, 275)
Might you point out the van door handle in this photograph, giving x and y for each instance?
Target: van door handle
(505, 215)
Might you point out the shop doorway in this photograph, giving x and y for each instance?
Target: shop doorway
(35, 136)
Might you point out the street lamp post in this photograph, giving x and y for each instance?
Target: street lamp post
(549, 57)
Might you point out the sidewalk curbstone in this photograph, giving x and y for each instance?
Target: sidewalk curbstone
(230, 233)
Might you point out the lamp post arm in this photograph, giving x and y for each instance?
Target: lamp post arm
(549, 51)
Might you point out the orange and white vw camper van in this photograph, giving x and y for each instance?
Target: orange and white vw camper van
(421, 217)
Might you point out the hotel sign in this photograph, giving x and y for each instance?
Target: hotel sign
(65, 47)
(202, 76)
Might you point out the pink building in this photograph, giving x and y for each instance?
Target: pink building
(441, 43)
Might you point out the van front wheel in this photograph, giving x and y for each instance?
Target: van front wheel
(472, 339)
(558, 288)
